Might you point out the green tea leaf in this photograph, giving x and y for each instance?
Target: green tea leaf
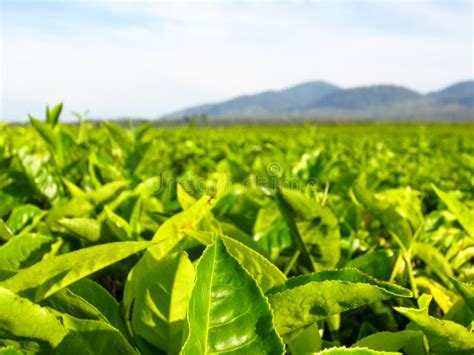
(66, 301)
(47, 183)
(304, 341)
(23, 251)
(120, 136)
(21, 216)
(227, 311)
(11, 351)
(322, 237)
(135, 229)
(460, 313)
(408, 202)
(303, 300)
(466, 291)
(388, 341)
(101, 299)
(287, 201)
(235, 233)
(462, 213)
(378, 263)
(185, 199)
(386, 213)
(86, 299)
(106, 192)
(262, 271)
(94, 338)
(52, 116)
(156, 297)
(74, 190)
(274, 239)
(5, 232)
(49, 136)
(173, 230)
(53, 274)
(22, 319)
(260, 268)
(75, 207)
(86, 229)
(435, 260)
(442, 296)
(317, 226)
(463, 257)
(444, 336)
(119, 227)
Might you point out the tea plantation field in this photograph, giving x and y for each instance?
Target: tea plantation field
(332, 239)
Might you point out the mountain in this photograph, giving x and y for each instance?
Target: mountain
(304, 94)
(460, 93)
(319, 100)
(364, 97)
(267, 103)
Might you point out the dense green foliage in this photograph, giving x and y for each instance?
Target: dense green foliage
(310, 239)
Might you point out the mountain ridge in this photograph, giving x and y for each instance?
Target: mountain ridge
(323, 99)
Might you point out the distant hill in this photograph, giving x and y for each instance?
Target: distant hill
(319, 100)
(460, 93)
(267, 103)
(304, 94)
(365, 97)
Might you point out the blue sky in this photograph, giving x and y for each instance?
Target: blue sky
(148, 58)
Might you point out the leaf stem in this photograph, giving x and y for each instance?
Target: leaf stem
(292, 262)
(414, 288)
(287, 216)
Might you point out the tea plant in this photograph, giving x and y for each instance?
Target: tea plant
(258, 240)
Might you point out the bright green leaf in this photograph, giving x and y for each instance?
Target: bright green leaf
(86, 229)
(462, 213)
(263, 271)
(22, 319)
(42, 178)
(377, 263)
(52, 115)
(173, 230)
(53, 274)
(156, 296)
(21, 216)
(303, 300)
(93, 337)
(23, 250)
(5, 232)
(227, 311)
(444, 336)
(386, 213)
(388, 341)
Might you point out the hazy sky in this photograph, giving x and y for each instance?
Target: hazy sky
(136, 58)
